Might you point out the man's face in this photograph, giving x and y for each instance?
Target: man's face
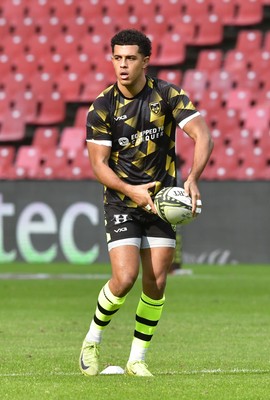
(129, 64)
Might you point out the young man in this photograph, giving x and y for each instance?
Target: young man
(131, 143)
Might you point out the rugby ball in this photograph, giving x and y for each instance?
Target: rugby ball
(174, 206)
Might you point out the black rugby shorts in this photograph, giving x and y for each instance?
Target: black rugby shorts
(137, 227)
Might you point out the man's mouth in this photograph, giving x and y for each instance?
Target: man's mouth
(124, 75)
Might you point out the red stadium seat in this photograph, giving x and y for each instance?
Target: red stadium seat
(209, 60)
(171, 75)
(155, 26)
(170, 8)
(29, 159)
(141, 8)
(82, 165)
(12, 125)
(257, 118)
(46, 138)
(39, 44)
(69, 85)
(249, 41)
(52, 109)
(68, 9)
(221, 81)
(226, 10)
(72, 140)
(172, 50)
(7, 156)
(95, 83)
(239, 99)
(54, 165)
(114, 8)
(235, 61)
(198, 9)
(248, 12)
(185, 26)
(65, 44)
(194, 83)
(80, 117)
(259, 61)
(26, 64)
(209, 31)
(12, 7)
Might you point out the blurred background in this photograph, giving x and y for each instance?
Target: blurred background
(55, 60)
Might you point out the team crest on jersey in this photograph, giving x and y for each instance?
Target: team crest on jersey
(155, 107)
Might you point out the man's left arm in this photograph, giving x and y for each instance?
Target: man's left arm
(198, 130)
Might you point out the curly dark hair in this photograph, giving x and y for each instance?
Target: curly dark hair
(130, 37)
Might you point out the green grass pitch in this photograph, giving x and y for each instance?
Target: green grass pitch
(213, 341)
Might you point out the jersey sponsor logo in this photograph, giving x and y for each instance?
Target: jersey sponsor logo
(120, 218)
(123, 141)
(155, 107)
(120, 118)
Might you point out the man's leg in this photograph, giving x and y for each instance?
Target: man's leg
(156, 263)
(125, 267)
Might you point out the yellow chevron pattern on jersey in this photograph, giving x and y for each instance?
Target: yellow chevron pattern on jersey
(141, 131)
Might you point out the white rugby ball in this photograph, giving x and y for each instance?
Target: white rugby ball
(174, 206)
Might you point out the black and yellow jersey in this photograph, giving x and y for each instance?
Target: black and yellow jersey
(141, 133)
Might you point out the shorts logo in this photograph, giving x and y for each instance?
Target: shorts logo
(120, 230)
(155, 107)
(120, 218)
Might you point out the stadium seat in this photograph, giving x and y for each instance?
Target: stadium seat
(13, 45)
(51, 63)
(209, 31)
(91, 9)
(249, 41)
(69, 85)
(239, 99)
(225, 120)
(248, 12)
(209, 60)
(45, 138)
(7, 156)
(65, 44)
(257, 118)
(29, 159)
(141, 8)
(194, 83)
(80, 117)
(198, 9)
(235, 61)
(170, 8)
(172, 50)
(72, 140)
(221, 81)
(62, 8)
(39, 10)
(12, 125)
(54, 164)
(183, 25)
(155, 26)
(226, 10)
(262, 97)
(52, 109)
(26, 64)
(26, 102)
(82, 163)
(95, 83)
(246, 80)
(259, 61)
(39, 44)
(114, 8)
(12, 7)
(170, 75)
(211, 100)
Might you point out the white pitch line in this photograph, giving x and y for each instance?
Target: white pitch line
(192, 372)
(39, 276)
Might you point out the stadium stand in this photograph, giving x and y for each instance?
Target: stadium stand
(55, 59)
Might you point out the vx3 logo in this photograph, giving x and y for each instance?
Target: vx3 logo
(120, 230)
(120, 118)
